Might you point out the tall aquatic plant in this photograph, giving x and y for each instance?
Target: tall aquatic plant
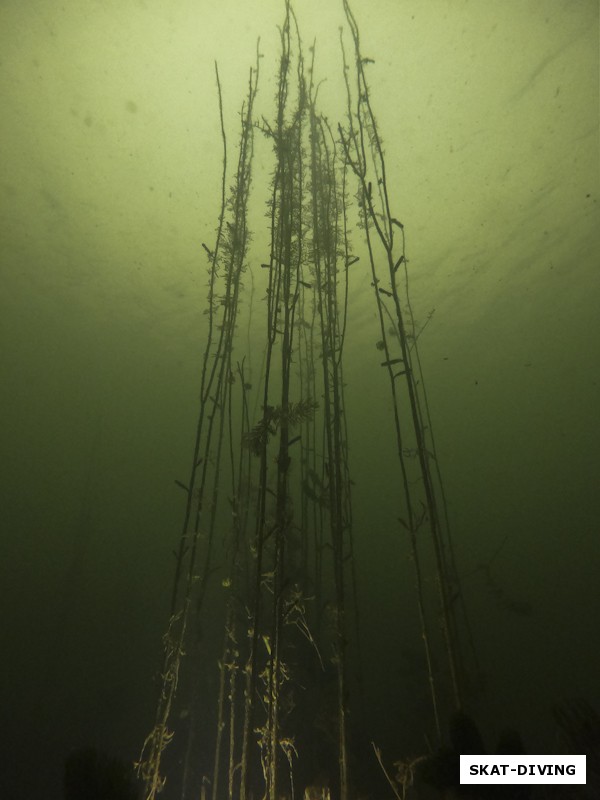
(194, 553)
(269, 486)
(364, 153)
(330, 259)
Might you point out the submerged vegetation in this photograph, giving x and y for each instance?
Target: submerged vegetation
(268, 497)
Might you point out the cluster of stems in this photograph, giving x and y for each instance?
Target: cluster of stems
(267, 502)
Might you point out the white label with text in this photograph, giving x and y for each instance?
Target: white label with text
(522, 769)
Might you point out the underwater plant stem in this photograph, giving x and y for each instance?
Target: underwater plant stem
(206, 375)
(220, 710)
(326, 245)
(362, 146)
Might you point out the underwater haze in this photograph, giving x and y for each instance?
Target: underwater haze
(110, 185)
